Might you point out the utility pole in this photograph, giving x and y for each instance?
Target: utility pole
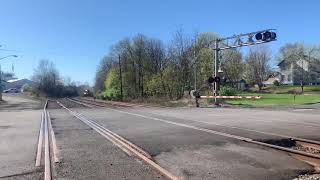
(195, 75)
(216, 62)
(195, 70)
(120, 77)
(302, 79)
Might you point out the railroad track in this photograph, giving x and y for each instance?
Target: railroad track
(303, 149)
(125, 145)
(47, 151)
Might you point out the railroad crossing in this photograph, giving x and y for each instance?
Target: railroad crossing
(76, 138)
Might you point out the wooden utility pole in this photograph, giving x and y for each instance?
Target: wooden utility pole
(120, 78)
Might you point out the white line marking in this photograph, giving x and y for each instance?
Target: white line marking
(137, 153)
(251, 130)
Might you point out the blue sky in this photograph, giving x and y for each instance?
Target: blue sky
(76, 34)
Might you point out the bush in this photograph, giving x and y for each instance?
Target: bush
(26, 88)
(111, 94)
(227, 91)
(276, 83)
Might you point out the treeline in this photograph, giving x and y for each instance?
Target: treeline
(50, 83)
(149, 67)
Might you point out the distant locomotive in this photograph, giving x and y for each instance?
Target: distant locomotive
(87, 93)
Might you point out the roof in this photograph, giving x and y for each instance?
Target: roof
(280, 62)
(16, 80)
(305, 58)
(270, 80)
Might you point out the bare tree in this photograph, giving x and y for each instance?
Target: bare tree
(47, 77)
(232, 65)
(257, 65)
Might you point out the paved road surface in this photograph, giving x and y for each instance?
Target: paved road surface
(87, 155)
(18, 102)
(19, 127)
(186, 152)
(192, 154)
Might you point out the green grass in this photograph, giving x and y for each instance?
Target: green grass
(290, 89)
(276, 99)
(280, 96)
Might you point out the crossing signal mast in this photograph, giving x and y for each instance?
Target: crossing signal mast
(240, 40)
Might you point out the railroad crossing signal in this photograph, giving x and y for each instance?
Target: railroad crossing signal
(195, 94)
(214, 79)
(240, 40)
(266, 36)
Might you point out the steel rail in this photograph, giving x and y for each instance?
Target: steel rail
(268, 133)
(118, 136)
(47, 162)
(40, 140)
(45, 135)
(86, 105)
(53, 140)
(122, 143)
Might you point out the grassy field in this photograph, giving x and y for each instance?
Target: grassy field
(282, 95)
(289, 89)
(277, 99)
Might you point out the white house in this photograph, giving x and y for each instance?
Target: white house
(293, 72)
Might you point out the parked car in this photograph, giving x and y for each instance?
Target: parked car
(11, 90)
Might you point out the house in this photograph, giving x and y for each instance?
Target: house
(271, 79)
(303, 70)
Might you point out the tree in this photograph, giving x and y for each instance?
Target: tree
(112, 84)
(257, 65)
(291, 52)
(179, 53)
(205, 56)
(101, 73)
(150, 68)
(305, 60)
(49, 82)
(140, 59)
(232, 65)
(47, 76)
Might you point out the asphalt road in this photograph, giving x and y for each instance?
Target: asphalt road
(87, 155)
(165, 133)
(19, 127)
(193, 154)
(19, 102)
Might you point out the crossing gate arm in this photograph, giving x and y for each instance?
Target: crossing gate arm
(230, 97)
